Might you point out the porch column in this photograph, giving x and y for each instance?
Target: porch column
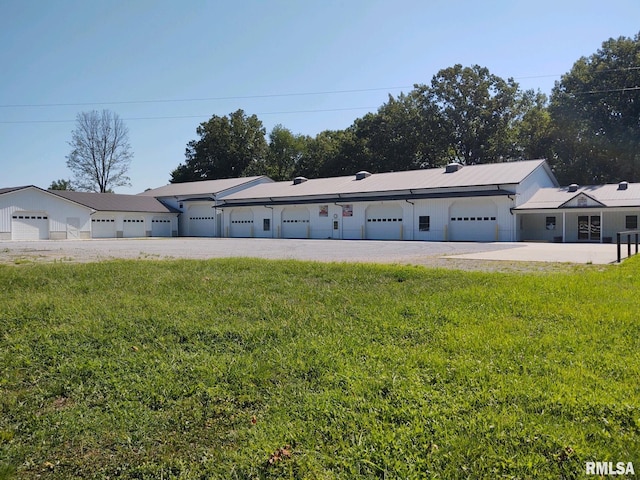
(564, 225)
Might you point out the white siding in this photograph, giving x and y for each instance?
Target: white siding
(57, 210)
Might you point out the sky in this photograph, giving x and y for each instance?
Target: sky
(165, 66)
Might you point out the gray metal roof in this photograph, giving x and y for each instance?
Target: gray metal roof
(204, 187)
(113, 202)
(388, 183)
(12, 189)
(610, 195)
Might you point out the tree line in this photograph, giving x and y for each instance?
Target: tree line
(588, 129)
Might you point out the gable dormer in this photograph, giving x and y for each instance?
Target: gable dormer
(581, 200)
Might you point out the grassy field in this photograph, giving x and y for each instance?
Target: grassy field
(283, 369)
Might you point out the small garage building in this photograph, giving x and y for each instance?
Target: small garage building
(31, 213)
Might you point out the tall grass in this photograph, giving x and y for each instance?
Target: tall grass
(276, 369)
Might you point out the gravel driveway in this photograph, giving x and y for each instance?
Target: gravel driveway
(467, 256)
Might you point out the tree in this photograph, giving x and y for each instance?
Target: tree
(402, 135)
(596, 110)
(61, 184)
(284, 152)
(226, 147)
(535, 128)
(101, 153)
(478, 111)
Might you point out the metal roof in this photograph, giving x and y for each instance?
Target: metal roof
(204, 187)
(610, 195)
(113, 202)
(470, 176)
(12, 189)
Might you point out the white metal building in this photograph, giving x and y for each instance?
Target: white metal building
(196, 202)
(30, 213)
(454, 203)
(580, 214)
(513, 201)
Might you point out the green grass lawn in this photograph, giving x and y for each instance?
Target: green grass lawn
(281, 369)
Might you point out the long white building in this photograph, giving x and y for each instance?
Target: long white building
(453, 203)
(513, 201)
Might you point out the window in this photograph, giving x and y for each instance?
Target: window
(631, 222)
(551, 223)
(424, 223)
(266, 224)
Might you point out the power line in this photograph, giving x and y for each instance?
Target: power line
(204, 99)
(270, 95)
(194, 116)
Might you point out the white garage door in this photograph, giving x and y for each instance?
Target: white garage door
(103, 227)
(201, 220)
(133, 228)
(473, 221)
(241, 223)
(295, 223)
(384, 222)
(29, 226)
(160, 227)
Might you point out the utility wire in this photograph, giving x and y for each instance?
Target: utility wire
(271, 95)
(204, 99)
(195, 116)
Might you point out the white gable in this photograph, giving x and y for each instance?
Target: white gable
(581, 200)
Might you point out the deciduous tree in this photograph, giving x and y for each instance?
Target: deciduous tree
(61, 184)
(477, 110)
(226, 147)
(101, 153)
(596, 111)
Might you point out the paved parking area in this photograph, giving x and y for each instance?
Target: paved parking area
(484, 256)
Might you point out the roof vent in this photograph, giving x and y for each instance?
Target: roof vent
(299, 180)
(452, 167)
(623, 185)
(573, 187)
(362, 174)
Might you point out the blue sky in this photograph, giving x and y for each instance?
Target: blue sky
(166, 66)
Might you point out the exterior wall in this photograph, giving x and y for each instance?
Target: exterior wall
(145, 229)
(58, 210)
(533, 226)
(348, 221)
(539, 178)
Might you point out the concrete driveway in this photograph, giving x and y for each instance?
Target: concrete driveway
(445, 254)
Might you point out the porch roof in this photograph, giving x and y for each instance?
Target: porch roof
(602, 196)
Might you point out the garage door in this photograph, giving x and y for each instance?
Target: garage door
(384, 222)
(133, 228)
(295, 223)
(241, 223)
(160, 227)
(29, 226)
(103, 227)
(473, 221)
(201, 220)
